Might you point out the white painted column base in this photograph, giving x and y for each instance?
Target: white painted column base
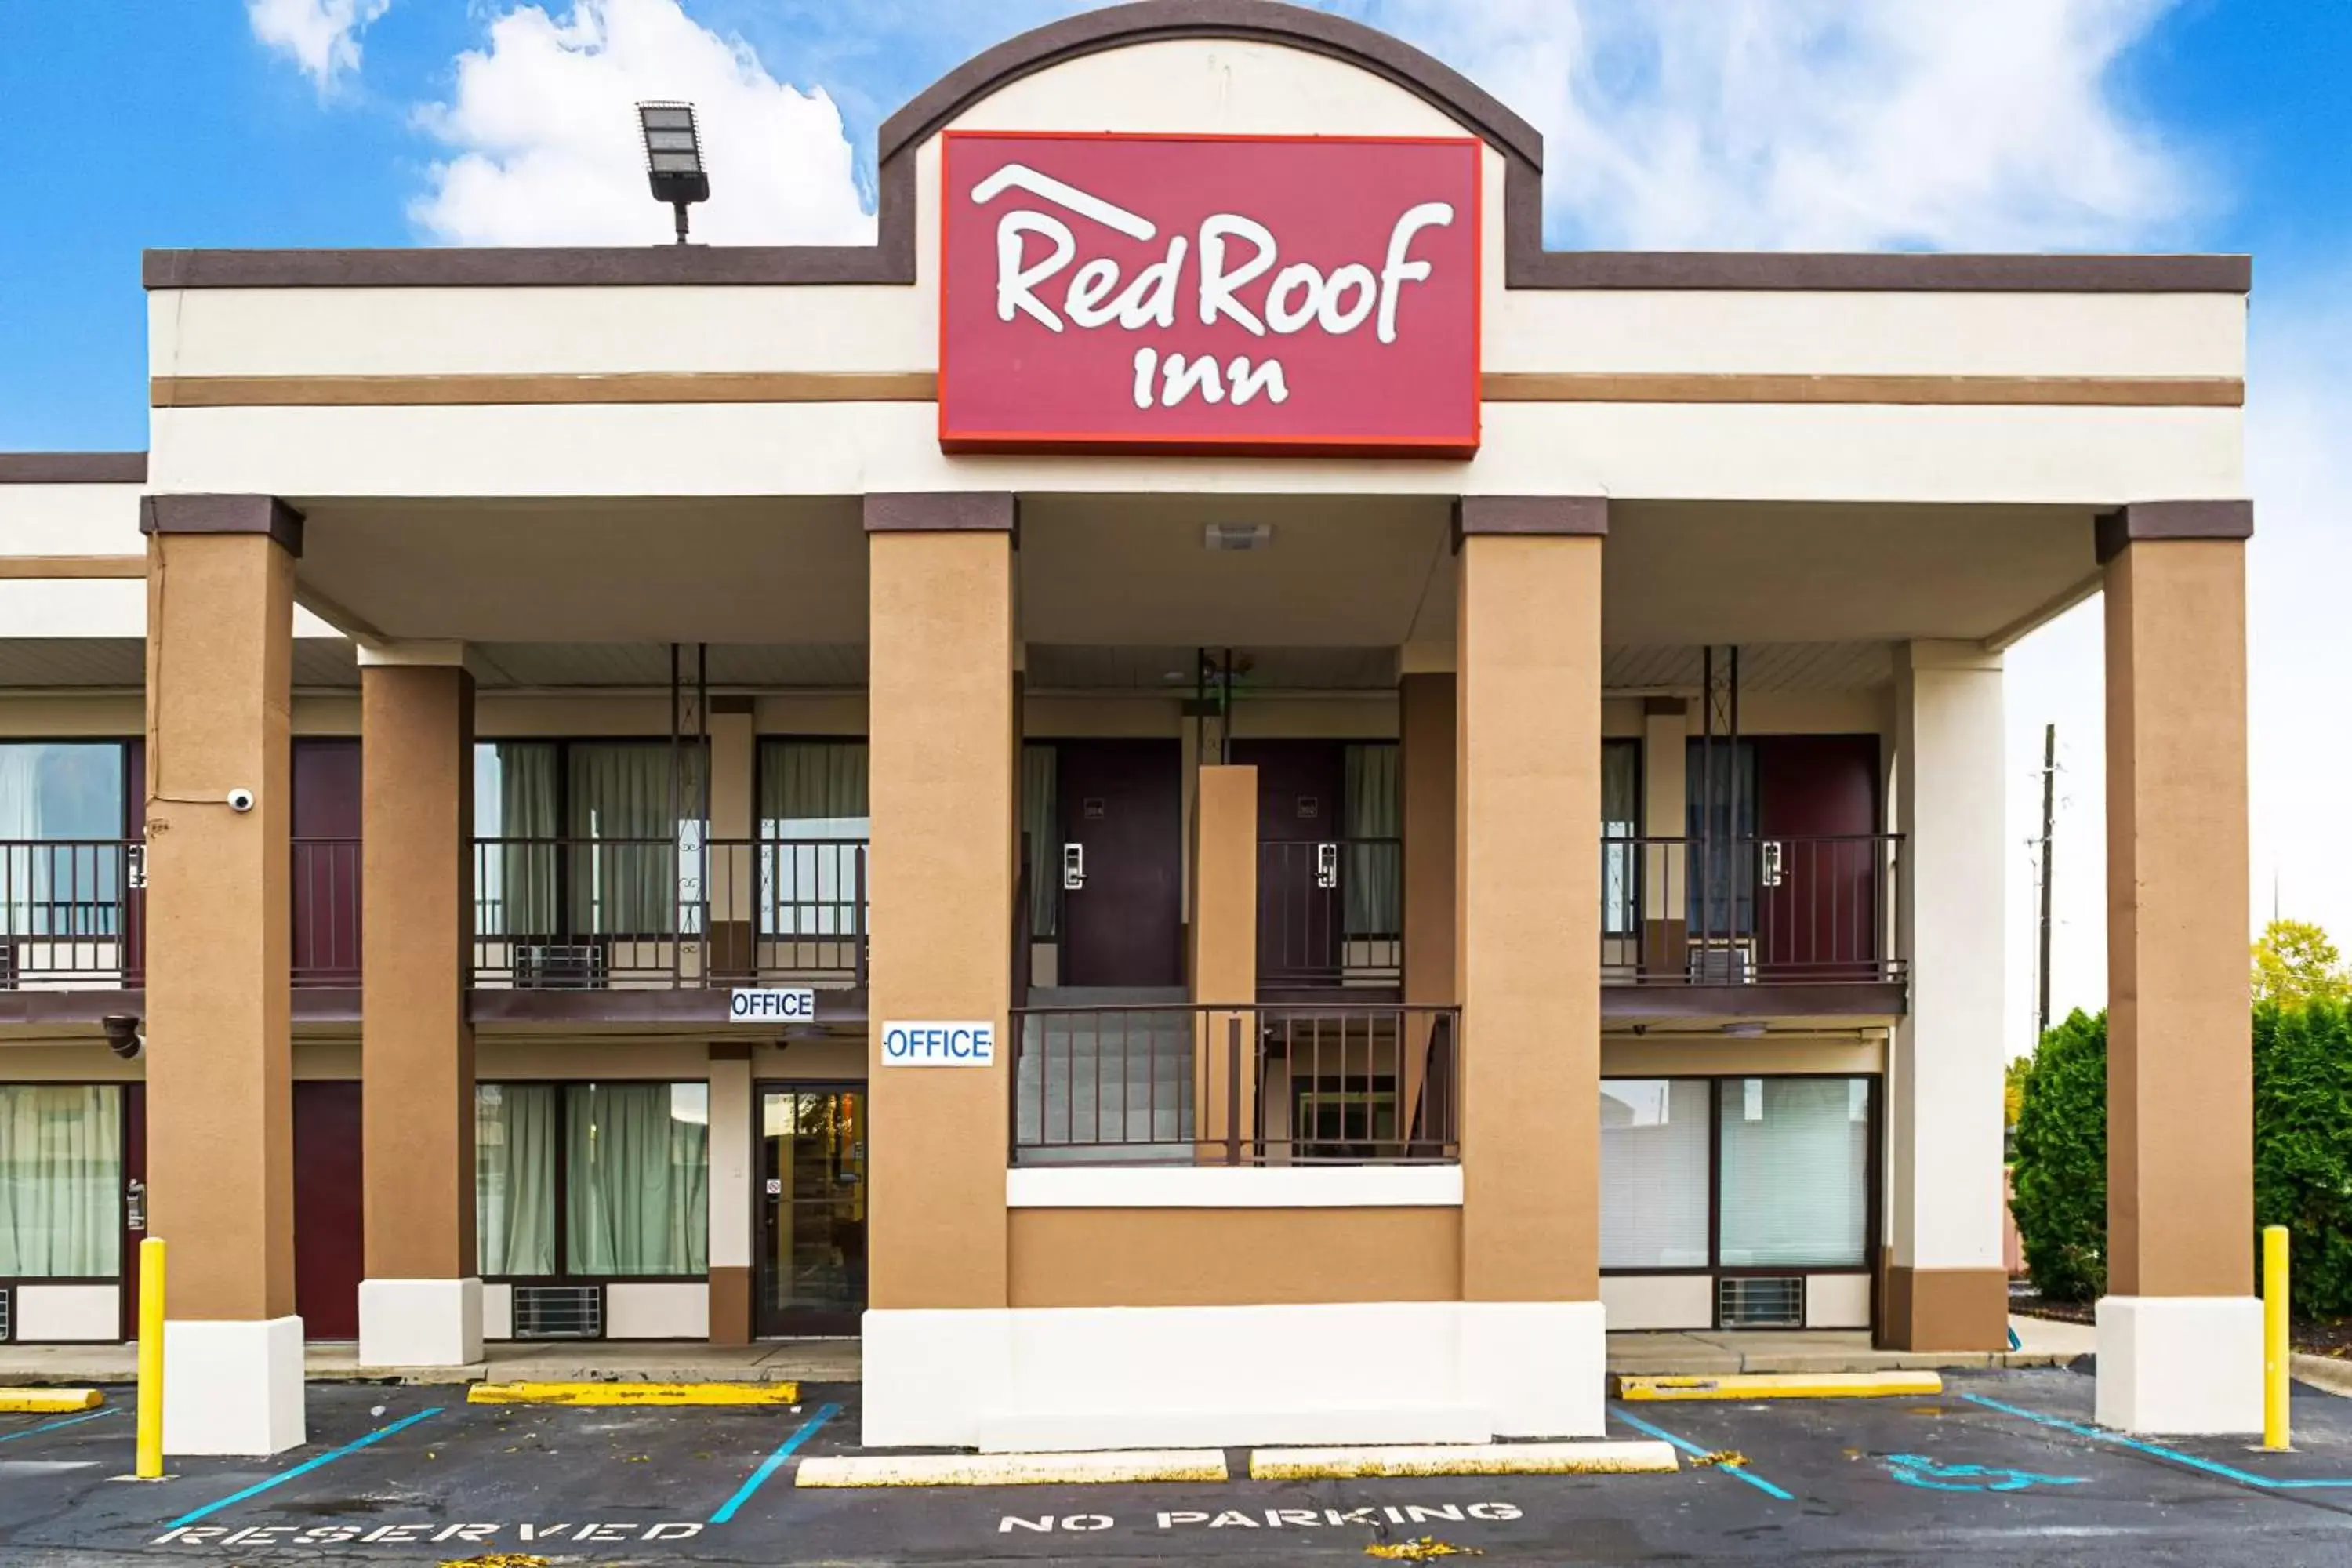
(233, 1387)
(420, 1323)
(1064, 1378)
(2180, 1365)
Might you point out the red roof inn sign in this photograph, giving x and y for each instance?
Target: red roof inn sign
(1209, 294)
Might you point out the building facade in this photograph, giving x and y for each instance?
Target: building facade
(1206, 793)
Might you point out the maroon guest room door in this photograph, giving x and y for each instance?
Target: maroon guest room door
(326, 884)
(329, 1256)
(1819, 916)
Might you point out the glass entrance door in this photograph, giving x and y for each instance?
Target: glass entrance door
(812, 1210)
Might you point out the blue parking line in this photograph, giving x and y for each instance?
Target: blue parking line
(774, 1462)
(303, 1468)
(1695, 1451)
(2155, 1450)
(52, 1426)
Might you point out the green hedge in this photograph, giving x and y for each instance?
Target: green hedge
(2060, 1179)
(2302, 1152)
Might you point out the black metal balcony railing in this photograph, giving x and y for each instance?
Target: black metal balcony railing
(1266, 1085)
(574, 914)
(1748, 911)
(72, 914)
(1330, 913)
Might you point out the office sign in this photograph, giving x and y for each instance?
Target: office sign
(792, 1005)
(968, 1044)
(1285, 295)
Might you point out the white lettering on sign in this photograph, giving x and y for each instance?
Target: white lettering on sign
(1372, 1516)
(971, 1043)
(336, 1534)
(789, 1007)
(1235, 252)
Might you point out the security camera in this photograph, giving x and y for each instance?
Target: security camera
(122, 1035)
(240, 800)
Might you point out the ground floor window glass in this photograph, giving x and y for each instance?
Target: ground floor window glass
(637, 1178)
(60, 1181)
(1749, 1172)
(514, 1178)
(614, 1179)
(1654, 1173)
(1795, 1171)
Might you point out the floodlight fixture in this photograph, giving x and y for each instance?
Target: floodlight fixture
(674, 158)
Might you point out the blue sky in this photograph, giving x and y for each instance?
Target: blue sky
(174, 125)
(1988, 124)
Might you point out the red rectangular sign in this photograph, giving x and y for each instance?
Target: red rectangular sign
(1209, 294)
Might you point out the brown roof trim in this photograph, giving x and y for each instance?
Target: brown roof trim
(223, 514)
(2172, 519)
(1559, 517)
(73, 468)
(942, 511)
(1150, 21)
(891, 259)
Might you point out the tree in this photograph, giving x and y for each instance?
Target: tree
(2061, 1177)
(2294, 962)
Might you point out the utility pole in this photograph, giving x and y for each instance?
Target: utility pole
(2048, 809)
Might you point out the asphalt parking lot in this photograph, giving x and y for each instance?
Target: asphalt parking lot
(2002, 1466)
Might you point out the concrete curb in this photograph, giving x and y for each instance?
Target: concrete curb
(1013, 1469)
(2324, 1373)
(635, 1396)
(1636, 1389)
(1574, 1459)
(48, 1401)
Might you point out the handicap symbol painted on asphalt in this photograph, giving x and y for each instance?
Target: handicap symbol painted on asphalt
(1918, 1470)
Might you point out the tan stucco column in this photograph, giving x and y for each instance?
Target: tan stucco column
(943, 770)
(220, 1147)
(1224, 954)
(1528, 825)
(2179, 1330)
(421, 1301)
(1945, 1288)
(1425, 767)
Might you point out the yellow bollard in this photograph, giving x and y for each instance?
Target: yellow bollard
(150, 1466)
(2277, 1352)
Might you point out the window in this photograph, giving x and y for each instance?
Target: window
(1041, 830)
(1372, 876)
(60, 1181)
(589, 838)
(62, 826)
(612, 1178)
(1795, 1171)
(1786, 1161)
(1721, 821)
(1654, 1138)
(1620, 824)
(813, 831)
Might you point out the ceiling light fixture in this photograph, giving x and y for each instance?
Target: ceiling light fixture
(1237, 535)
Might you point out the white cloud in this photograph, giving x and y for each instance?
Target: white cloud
(544, 146)
(322, 37)
(1822, 124)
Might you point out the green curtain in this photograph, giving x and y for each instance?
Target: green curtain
(514, 1179)
(1621, 820)
(1371, 875)
(637, 1178)
(812, 825)
(60, 1181)
(623, 790)
(1041, 825)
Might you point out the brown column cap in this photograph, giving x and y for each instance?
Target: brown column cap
(1569, 517)
(223, 514)
(2172, 519)
(73, 468)
(943, 511)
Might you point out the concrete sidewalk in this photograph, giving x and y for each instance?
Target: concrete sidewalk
(1699, 1354)
(778, 1361)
